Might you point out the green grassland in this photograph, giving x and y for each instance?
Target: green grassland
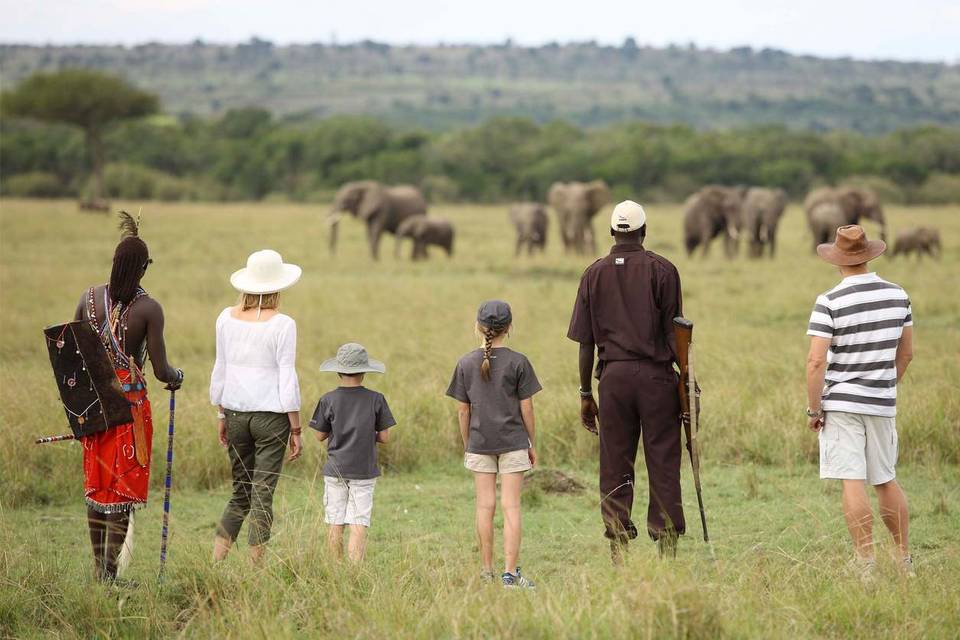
(777, 565)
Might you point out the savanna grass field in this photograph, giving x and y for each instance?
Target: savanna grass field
(776, 566)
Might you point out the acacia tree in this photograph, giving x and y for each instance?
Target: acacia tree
(87, 99)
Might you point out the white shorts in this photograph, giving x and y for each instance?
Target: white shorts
(854, 446)
(510, 462)
(348, 501)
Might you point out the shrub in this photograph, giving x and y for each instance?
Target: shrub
(940, 188)
(440, 189)
(35, 184)
(886, 190)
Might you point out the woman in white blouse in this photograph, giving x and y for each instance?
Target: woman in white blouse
(254, 386)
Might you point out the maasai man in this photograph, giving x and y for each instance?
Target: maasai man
(625, 309)
(116, 462)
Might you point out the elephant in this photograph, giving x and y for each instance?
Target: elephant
(576, 203)
(761, 213)
(853, 204)
(531, 222)
(381, 207)
(710, 212)
(424, 231)
(919, 240)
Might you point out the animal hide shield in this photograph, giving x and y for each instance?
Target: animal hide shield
(89, 388)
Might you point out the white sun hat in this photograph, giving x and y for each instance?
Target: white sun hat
(265, 273)
(628, 216)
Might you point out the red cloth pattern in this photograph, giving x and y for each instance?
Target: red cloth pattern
(113, 479)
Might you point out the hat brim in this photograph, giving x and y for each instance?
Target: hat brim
(830, 253)
(372, 366)
(242, 281)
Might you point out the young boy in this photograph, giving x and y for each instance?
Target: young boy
(354, 418)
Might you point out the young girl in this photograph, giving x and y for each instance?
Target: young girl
(495, 386)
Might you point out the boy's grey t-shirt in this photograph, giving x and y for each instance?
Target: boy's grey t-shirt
(352, 416)
(496, 425)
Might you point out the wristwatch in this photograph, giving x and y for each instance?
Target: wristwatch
(586, 393)
(221, 415)
(814, 414)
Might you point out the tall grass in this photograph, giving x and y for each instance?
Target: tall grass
(750, 322)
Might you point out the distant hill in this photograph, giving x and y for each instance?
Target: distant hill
(444, 86)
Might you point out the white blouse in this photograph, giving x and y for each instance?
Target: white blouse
(256, 365)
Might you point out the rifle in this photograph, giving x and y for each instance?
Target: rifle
(690, 411)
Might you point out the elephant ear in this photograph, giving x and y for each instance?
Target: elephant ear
(599, 194)
(555, 195)
(851, 201)
(371, 202)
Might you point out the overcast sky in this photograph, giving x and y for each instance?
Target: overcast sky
(912, 30)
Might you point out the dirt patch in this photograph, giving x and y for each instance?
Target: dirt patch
(553, 481)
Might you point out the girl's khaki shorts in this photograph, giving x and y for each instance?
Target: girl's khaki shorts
(510, 462)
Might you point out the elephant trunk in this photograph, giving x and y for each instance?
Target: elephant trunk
(333, 222)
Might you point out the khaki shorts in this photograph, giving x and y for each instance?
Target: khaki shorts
(510, 462)
(348, 501)
(854, 446)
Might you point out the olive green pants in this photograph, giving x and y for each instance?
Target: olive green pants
(256, 442)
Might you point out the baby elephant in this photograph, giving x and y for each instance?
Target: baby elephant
(424, 231)
(531, 222)
(919, 240)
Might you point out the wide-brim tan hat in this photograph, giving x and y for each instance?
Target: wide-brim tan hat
(266, 272)
(352, 359)
(851, 247)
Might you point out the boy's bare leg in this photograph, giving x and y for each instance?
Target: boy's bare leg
(335, 540)
(358, 543)
(257, 552)
(859, 517)
(486, 484)
(510, 485)
(895, 514)
(221, 547)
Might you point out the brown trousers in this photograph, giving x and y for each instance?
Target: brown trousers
(638, 398)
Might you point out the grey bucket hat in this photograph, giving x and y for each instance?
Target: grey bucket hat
(495, 314)
(352, 359)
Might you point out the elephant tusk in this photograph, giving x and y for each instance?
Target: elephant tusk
(334, 218)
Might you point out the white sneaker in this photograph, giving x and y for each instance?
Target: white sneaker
(908, 567)
(865, 569)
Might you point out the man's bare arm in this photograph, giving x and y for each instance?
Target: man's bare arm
(816, 371)
(586, 366)
(156, 347)
(904, 352)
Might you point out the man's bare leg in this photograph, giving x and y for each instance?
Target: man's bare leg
(895, 514)
(486, 507)
(257, 551)
(357, 546)
(335, 540)
(510, 485)
(859, 517)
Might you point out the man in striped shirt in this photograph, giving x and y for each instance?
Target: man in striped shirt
(861, 335)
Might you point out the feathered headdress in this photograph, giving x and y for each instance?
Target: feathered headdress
(129, 228)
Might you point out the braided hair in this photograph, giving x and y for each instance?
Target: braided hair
(488, 334)
(130, 260)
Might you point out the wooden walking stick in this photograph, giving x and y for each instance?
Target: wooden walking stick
(690, 405)
(166, 489)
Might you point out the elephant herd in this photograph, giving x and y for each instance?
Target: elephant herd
(713, 211)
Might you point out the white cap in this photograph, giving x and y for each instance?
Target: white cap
(627, 216)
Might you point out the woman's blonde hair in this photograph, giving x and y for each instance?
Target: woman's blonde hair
(488, 335)
(263, 301)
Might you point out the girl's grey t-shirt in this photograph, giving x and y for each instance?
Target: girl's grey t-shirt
(496, 425)
(352, 416)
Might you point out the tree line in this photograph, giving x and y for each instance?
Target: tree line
(248, 154)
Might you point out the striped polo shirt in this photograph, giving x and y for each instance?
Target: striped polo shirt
(863, 317)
